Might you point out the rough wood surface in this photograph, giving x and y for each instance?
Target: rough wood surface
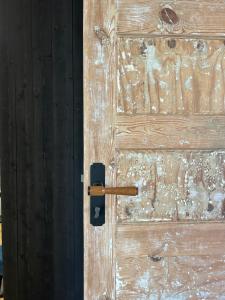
(99, 79)
(170, 261)
(155, 116)
(169, 132)
(195, 17)
(171, 278)
(170, 239)
(171, 76)
(173, 185)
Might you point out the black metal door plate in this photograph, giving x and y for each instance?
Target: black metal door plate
(97, 203)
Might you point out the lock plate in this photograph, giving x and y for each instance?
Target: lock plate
(97, 203)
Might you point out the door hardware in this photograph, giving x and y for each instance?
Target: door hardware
(97, 192)
(101, 191)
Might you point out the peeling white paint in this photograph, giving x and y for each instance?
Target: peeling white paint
(188, 83)
(143, 281)
(152, 62)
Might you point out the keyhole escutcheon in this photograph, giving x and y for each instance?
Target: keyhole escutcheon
(97, 212)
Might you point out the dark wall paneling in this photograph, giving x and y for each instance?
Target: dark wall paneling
(78, 142)
(8, 150)
(41, 148)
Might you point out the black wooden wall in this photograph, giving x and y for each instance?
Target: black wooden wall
(41, 148)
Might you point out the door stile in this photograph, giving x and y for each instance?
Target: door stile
(99, 107)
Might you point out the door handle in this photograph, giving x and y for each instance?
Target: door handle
(97, 191)
(102, 191)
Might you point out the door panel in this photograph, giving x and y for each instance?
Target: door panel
(173, 185)
(169, 132)
(154, 115)
(170, 262)
(171, 76)
(171, 278)
(169, 239)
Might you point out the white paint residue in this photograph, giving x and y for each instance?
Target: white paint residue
(163, 84)
(160, 170)
(184, 142)
(120, 284)
(177, 67)
(176, 284)
(218, 197)
(118, 81)
(186, 195)
(188, 83)
(110, 244)
(165, 248)
(100, 55)
(218, 86)
(152, 62)
(120, 109)
(123, 55)
(203, 294)
(129, 68)
(193, 193)
(139, 183)
(218, 67)
(143, 281)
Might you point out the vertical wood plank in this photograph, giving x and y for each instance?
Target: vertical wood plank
(41, 252)
(63, 156)
(77, 281)
(8, 150)
(99, 79)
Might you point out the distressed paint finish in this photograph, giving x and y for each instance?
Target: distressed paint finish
(170, 239)
(155, 116)
(203, 17)
(171, 278)
(169, 132)
(171, 262)
(171, 76)
(173, 185)
(99, 63)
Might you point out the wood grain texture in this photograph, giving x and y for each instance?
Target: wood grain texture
(173, 185)
(169, 132)
(8, 149)
(171, 76)
(170, 239)
(170, 261)
(171, 278)
(195, 17)
(38, 137)
(99, 94)
(102, 191)
(154, 115)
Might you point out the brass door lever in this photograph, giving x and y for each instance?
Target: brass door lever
(97, 190)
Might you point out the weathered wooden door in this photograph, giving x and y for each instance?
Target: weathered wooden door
(154, 87)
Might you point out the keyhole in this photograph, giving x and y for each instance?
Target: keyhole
(97, 212)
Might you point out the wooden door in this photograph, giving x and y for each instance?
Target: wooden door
(154, 109)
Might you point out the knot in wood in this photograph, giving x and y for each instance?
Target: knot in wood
(210, 207)
(156, 258)
(102, 35)
(171, 44)
(169, 16)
